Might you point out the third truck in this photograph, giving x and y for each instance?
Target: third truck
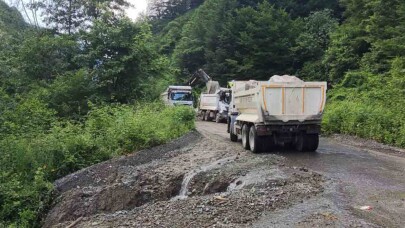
(214, 103)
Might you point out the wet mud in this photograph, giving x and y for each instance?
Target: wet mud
(204, 180)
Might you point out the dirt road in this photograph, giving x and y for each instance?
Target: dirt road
(204, 180)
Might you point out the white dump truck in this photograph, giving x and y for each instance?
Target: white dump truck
(215, 106)
(282, 111)
(214, 103)
(178, 95)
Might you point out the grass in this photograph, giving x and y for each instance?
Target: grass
(31, 162)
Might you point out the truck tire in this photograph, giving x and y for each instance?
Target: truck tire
(234, 138)
(200, 115)
(228, 122)
(307, 142)
(300, 143)
(207, 115)
(204, 116)
(312, 142)
(269, 143)
(245, 137)
(255, 141)
(218, 118)
(208, 118)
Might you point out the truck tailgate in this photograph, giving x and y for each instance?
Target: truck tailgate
(209, 102)
(289, 102)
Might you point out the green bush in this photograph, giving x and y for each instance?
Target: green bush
(32, 161)
(362, 120)
(368, 108)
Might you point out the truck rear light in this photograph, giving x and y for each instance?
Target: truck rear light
(262, 130)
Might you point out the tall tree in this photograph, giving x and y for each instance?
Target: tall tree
(370, 37)
(170, 9)
(312, 42)
(69, 16)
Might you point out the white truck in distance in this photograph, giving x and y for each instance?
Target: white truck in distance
(215, 106)
(282, 111)
(178, 95)
(214, 103)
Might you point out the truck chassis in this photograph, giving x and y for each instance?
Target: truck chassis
(210, 115)
(267, 136)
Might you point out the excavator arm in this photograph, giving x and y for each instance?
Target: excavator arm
(212, 86)
(199, 74)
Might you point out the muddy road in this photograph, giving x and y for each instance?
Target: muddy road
(204, 180)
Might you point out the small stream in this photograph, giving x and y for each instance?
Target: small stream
(256, 176)
(183, 193)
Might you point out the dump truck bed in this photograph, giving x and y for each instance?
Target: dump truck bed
(270, 102)
(209, 102)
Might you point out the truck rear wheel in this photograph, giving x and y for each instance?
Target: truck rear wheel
(255, 142)
(201, 115)
(312, 142)
(299, 144)
(205, 116)
(209, 118)
(234, 138)
(269, 143)
(245, 137)
(218, 118)
(307, 142)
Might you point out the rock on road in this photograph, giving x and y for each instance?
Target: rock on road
(205, 180)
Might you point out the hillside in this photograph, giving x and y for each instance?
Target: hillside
(10, 18)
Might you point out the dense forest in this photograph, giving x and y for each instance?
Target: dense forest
(355, 45)
(83, 88)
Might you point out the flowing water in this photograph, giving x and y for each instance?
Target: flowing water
(190, 175)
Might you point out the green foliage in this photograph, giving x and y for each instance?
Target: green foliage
(164, 10)
(366, 57)
(44, 57)
(123, 61)
(70, 93)
(312, 43)
(65, 93)
(65, 101)
(261, 41)
(31, 161)
(24, 117)
(199, 35)
(303, 8)
(362, 57)
(250, 39)
(369, 105)
(231, 42)
(172, 33)
(10, 19)
(71, 16)
(365, 120)
(369, 39)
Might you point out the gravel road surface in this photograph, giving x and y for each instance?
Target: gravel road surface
(205, 180)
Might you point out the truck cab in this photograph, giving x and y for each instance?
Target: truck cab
(178, 95)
